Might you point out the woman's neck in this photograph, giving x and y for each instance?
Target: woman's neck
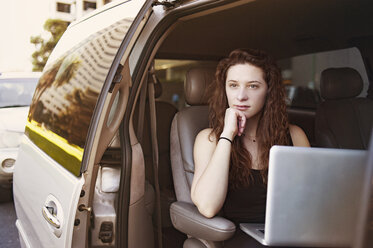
(251, 126)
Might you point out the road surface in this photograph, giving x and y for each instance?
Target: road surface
(8, 231)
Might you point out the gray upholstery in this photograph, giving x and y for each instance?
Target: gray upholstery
(190, 122)
(343, 120)
(196, 85)
(185, 127)
(185, 216)
(195, 243)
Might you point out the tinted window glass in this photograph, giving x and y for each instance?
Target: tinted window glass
(67, 93)
(15, 92)
(301, 74)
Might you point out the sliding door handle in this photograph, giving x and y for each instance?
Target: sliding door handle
(50, 216)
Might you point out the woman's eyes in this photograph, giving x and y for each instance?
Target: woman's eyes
(250, 86)
(233, 85)
(253, 86)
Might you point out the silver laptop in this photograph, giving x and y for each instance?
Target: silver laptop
(364, 230)
(313, 197)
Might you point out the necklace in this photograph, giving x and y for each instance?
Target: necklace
(249, 137)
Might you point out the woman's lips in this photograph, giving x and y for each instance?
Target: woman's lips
(241, 107)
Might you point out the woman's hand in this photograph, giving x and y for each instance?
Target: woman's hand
(234, 123)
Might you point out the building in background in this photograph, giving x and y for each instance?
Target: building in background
(21, 19)
(70, 10)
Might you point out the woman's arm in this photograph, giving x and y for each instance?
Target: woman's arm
(211, 164)
(211, 169)
(298, 136)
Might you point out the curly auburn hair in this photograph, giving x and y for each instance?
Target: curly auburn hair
(273, 126)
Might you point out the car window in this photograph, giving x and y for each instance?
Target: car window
(301, 74)
(171, 74)
(16, 92)
(65, 98)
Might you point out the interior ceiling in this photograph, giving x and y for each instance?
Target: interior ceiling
(283, 28)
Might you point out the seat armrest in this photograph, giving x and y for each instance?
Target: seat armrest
(186, 218)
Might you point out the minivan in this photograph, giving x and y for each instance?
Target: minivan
(106, 159)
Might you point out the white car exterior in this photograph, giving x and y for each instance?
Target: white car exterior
(12, 126)
(16, 90)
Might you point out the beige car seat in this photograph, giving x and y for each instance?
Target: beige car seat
(201, 231)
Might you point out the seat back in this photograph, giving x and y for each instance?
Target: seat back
(343, 120)
(186, 125)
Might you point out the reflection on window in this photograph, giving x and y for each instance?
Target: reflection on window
(67, 93)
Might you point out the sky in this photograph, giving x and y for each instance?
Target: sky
(19, 20)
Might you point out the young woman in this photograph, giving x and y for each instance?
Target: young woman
(247, 117)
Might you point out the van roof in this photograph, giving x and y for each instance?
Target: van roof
(283, 28)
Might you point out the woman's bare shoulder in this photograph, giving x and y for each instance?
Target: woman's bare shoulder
(204, 147)
(205, 138)
(206, 134)
(295, 129)
(298, 136)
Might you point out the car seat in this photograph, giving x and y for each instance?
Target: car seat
(343, 120)
(201, 231)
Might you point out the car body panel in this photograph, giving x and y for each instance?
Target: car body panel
(44, 177)
(41, 184)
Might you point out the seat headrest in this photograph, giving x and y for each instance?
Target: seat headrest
(196, 84)
(339, 83)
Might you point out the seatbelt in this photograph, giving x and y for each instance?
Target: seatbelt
(153, 131)
(140, 119)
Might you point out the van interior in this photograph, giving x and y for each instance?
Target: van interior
(325, 52)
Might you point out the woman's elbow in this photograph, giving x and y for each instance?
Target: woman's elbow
(205, 209)
(207, 212)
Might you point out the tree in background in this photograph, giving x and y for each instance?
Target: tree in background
(44, 47)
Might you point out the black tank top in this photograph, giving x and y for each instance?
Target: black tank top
(248, 204)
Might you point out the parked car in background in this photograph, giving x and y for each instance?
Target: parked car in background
(16, 91)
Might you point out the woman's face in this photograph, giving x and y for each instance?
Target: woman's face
(246, 89)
